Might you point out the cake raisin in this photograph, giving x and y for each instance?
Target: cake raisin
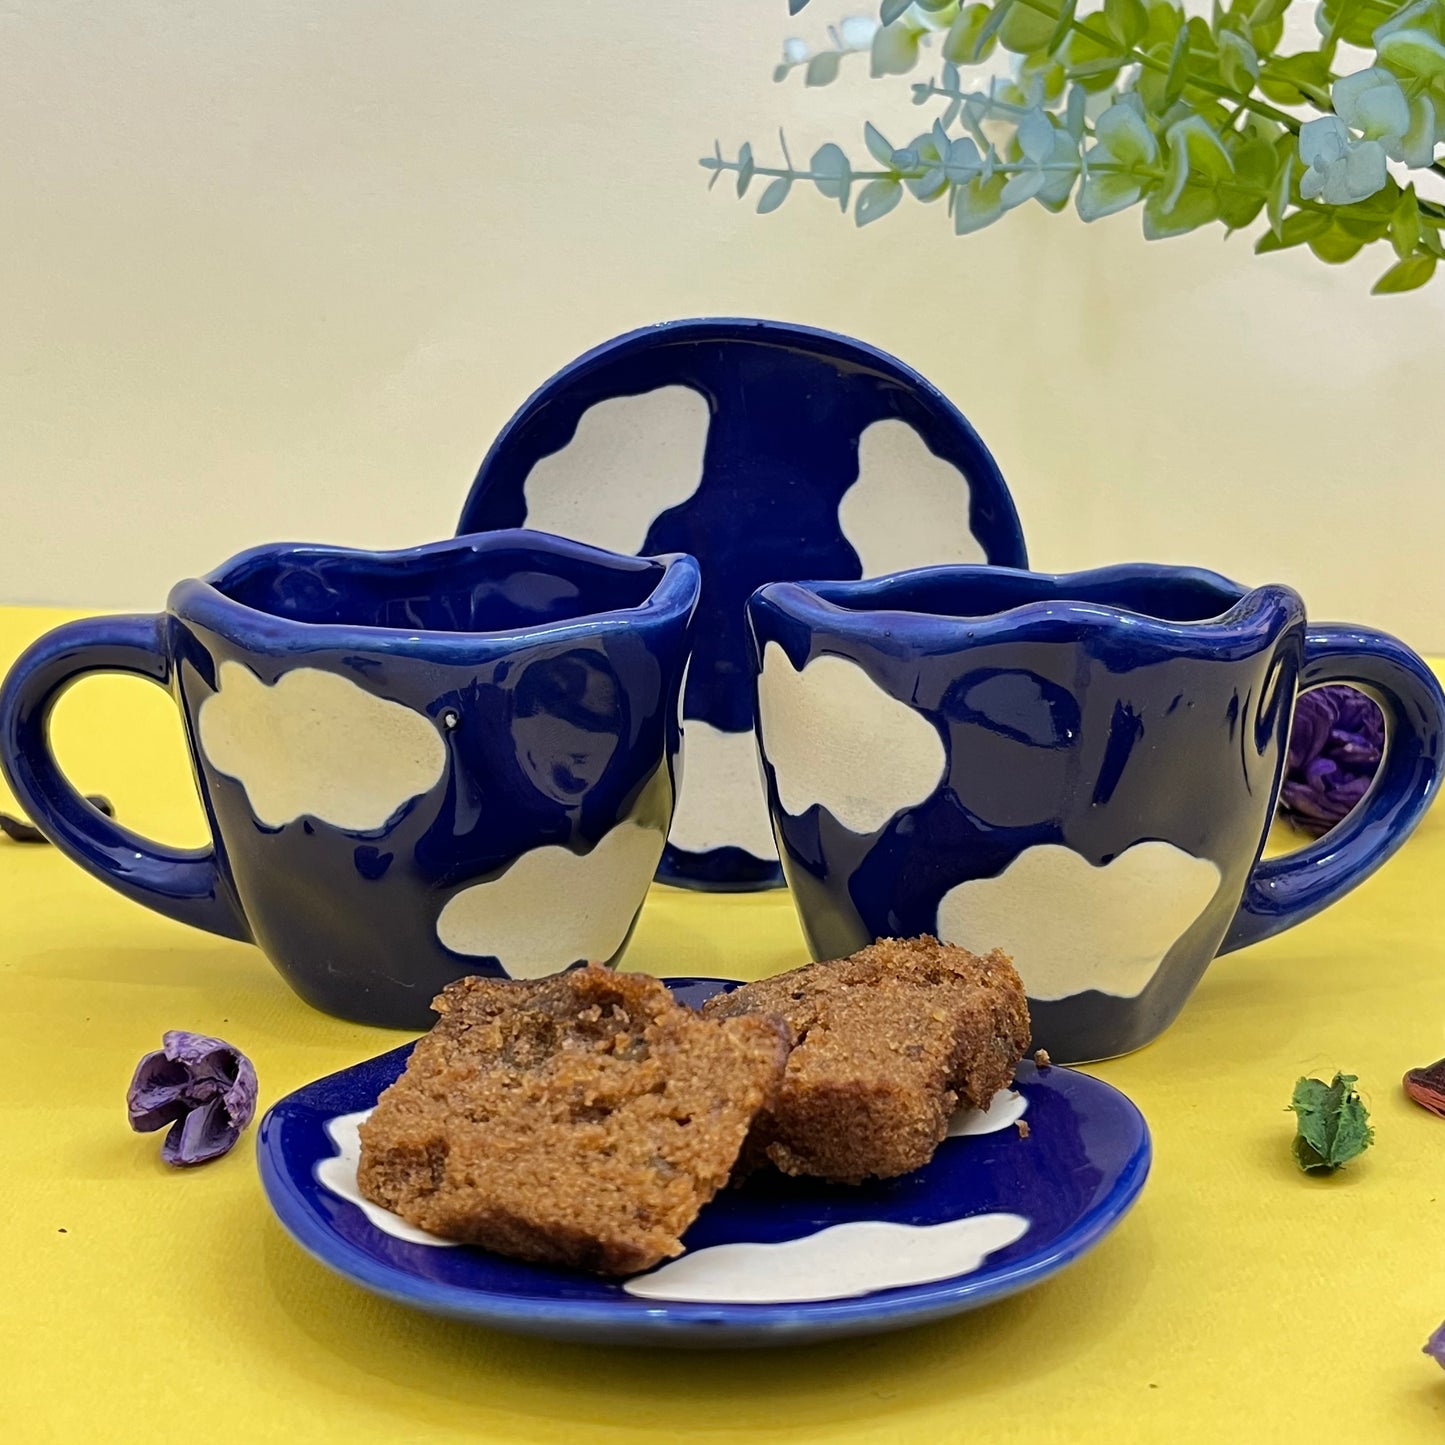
(886, 1044)
(579, 1120)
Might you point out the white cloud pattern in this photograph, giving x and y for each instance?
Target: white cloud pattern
(1070, 926)
(554, 907)
(909, 507)
(835, 737)
(318, 745)
(721, 802)
(841, 1262)
(631, 458)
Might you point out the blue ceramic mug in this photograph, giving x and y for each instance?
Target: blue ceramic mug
(1080, 770)
(416, 765)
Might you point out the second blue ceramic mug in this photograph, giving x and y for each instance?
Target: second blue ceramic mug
(416, 765)
(1080, 770)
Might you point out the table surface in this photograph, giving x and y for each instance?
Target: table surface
(1240, 1299)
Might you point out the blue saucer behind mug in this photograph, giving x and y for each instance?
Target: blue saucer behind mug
(1080, 770)
(416, 765)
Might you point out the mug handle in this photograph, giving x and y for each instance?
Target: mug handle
(183, 883)
(1286, 890)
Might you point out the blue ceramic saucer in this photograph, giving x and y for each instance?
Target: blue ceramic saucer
(1008, 1211)
(770, 453)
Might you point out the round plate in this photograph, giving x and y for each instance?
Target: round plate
(1022, 1207)
(771, 453)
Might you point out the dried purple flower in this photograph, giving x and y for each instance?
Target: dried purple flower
(1435, 1347)
(1335, 747)
(202, 1087)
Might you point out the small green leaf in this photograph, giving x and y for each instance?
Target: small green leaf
(1266, 10)
(745, 168)
(876, 199)
(895, 51)
(796, 6)
(1127, 20)
(994, 23)
(1294, 79)
(1062, 27)
(878, 147)
(822, 68)
(1295, 230)
(1336, 246)
(1405, 276)
(1331, 1123)
(1025, 30)
(1412, 52)
(962, 45)
(832, 174)
(1178, 68)
(774, 195)
(1405, 224)
(1279, 195)
(890, 10)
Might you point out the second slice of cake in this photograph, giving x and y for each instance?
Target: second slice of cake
(886, 1045)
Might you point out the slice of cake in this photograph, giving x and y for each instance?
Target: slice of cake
(886, 1045)
(581, 1120)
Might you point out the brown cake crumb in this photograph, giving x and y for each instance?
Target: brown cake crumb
(886, 1045)
(1042, 1059)
(1022, 1125)
(580, 1120)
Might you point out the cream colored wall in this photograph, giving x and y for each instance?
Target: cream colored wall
(281, 269)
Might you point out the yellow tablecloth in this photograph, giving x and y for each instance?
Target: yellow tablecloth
(1239, 1301)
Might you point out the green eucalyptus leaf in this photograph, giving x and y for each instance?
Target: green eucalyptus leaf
(876, 199)
(1405, 224)
(1295, 230)
(1243, 198)
(796, 6)
(978, 203)
(1238, 64)
(962, 45)
(1352, 21)
(1165, 21)
(1405, 276)
(1266, 38)
(745, 168)
(1024, 29)
(1178, 68)
(890, 10)
(1062, 27)
(1279, 194)
(878, 147)
(822, 68)
(1128, 21)
(1296, 79)
(774, 195)
(1336, 246)
(1263, 11)
(895, 51)
(832, 174)
(1412, 53)
(1102, 193)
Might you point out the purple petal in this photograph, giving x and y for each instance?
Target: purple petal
(205, 1133)
(1435, 1347)
(1335, 749)
(203, 1087)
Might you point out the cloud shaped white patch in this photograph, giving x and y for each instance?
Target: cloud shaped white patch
(840, 1262)
(909, 507)
(1070, 927)
(554, 907)
(631, 458)
(721, 803)
(317, 744)
(1005, 1108)
(835, 737)
(338, 1174)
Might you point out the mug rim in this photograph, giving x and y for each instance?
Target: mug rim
(861, 610)
(202, 600)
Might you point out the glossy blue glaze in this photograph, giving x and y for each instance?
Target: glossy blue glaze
(549, 670)
(1081, 1167)
(787, 406)
(1097, 711)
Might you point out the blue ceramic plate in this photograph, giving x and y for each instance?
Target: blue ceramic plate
(770, 453)
(994, 1213)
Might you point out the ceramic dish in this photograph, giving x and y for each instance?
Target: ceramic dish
(770, 453)
(994, 1213)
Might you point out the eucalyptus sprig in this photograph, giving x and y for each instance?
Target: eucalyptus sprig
(1196, 121)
